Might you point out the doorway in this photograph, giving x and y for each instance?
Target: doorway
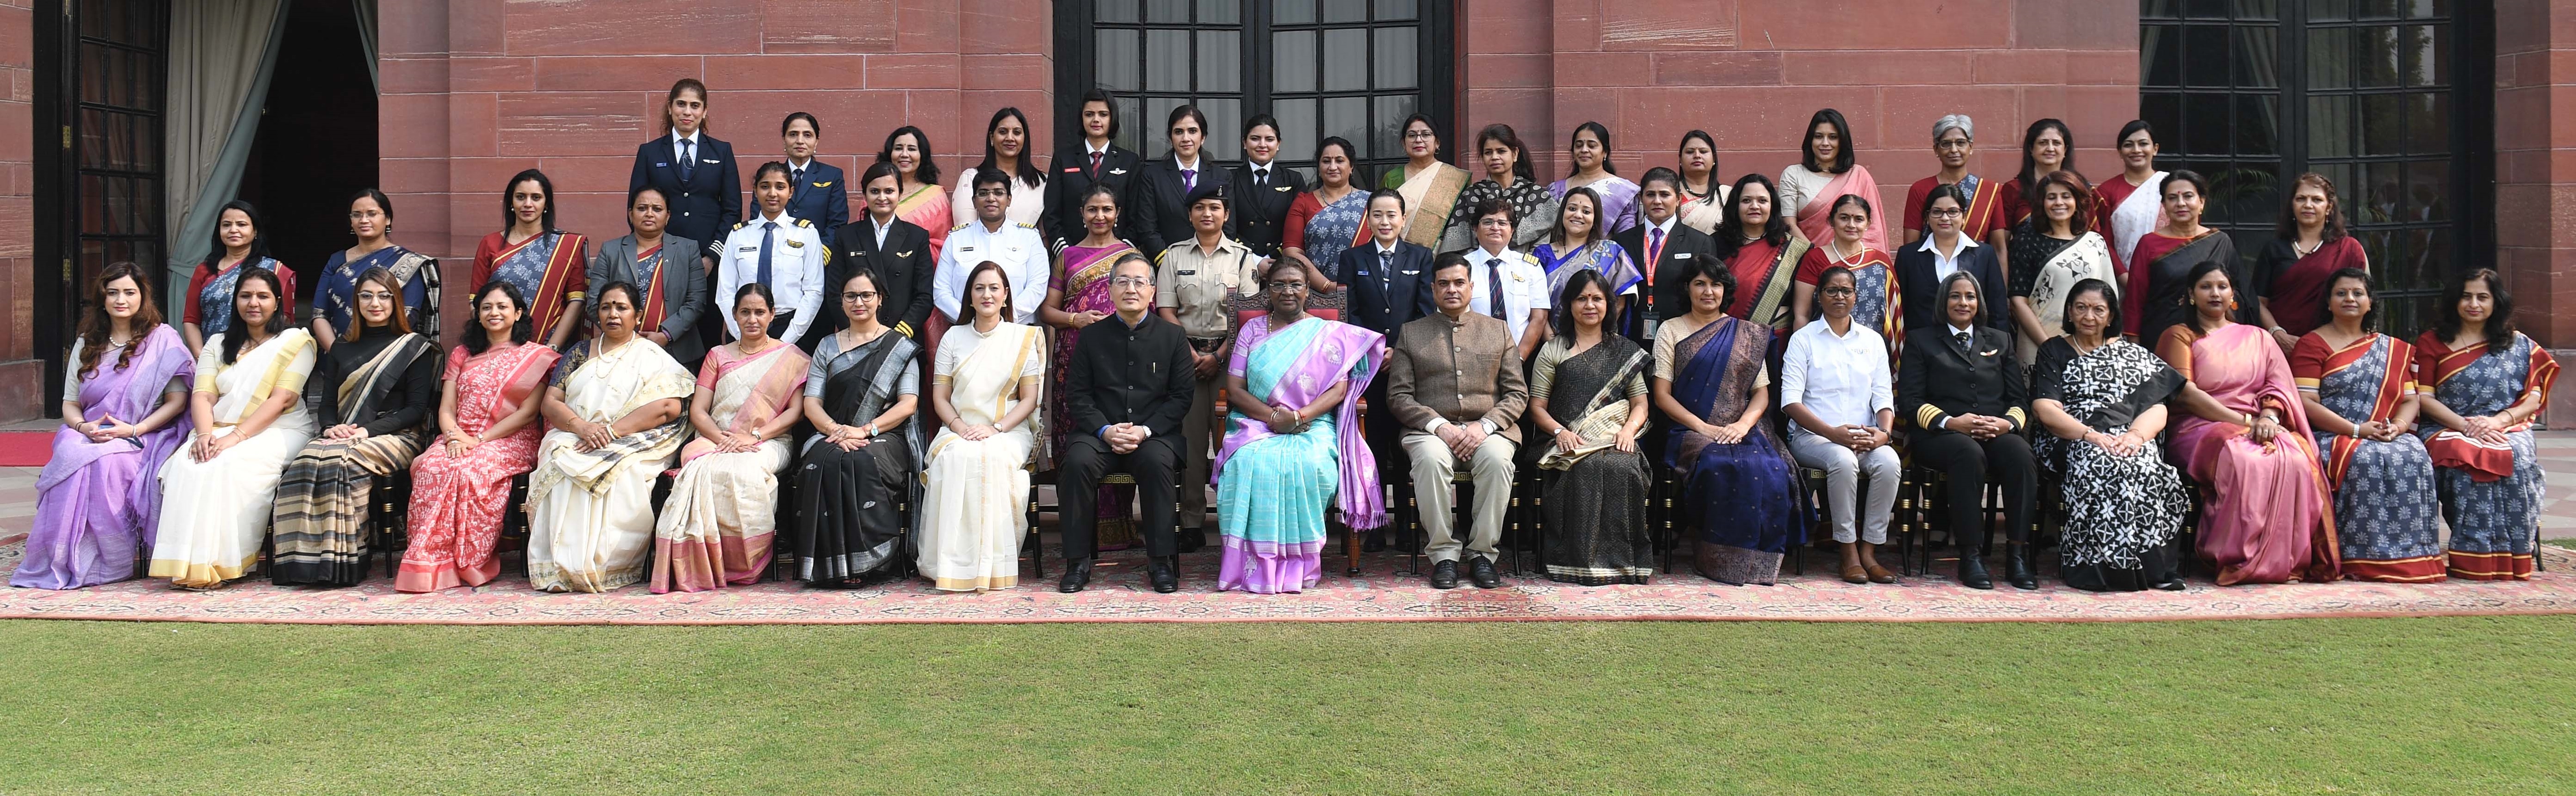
(317, 140)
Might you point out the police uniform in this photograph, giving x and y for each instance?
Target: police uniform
(797, 263)
(1523, 282)
(1017, 247)
(1200, 288)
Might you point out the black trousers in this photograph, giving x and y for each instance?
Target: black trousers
(1156, 464)
(1967, 463)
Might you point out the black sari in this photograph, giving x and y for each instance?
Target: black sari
(846, 520)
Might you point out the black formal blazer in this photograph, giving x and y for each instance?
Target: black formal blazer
(1142, 375)
(1073, 177)
(1683, 247)
(1922, 291)
(705, 206)
(821, 198)
(1260, 216)
(903, 267)
(1157, 214)
(1384, 300)
(1937, 378)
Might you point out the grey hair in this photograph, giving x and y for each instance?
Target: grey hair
(1955, 120)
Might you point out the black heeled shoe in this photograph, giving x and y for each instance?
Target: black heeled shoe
(2017, 567)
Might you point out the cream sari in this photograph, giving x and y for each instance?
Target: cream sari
(2086, 258)
(717, 526)
(213, 513)
(976, 506)
(590, 513)
(1430, 194)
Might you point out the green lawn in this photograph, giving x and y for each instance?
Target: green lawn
(2394, 706)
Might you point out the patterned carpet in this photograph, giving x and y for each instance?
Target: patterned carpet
(1119, 595)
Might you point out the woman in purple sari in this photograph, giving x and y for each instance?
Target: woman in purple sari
(97, 497)
(1300, 451)
(1711, 381)
(2243, 435)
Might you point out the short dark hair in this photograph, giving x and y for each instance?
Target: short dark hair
(1099, 95)
(1947, 190)
(790, 122)
(1260, 120)
(928, 171)
(1716, 271)
(1491, 205)
(2499, 326)
(2198, 183)
(882, 168)
(986, 177)
(1388, 193)
(1561, 319)
(1448, 260)
(2110, 295)
(1842, 154)
(1662, 175)
(475, 342)
(510, 216)
(2369, 319)
(2134, 127)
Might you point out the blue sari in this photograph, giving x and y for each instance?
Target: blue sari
(1601, 255)
(336, 296)
(1742, 495)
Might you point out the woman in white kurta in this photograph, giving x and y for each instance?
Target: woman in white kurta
(986, 393)
(718, 524)
(249, 418)
(616, 418)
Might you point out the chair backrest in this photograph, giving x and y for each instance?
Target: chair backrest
(1326, 313)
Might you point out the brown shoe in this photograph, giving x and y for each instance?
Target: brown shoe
(1879, 574)
(1855, 574)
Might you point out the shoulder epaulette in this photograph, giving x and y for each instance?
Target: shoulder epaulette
(1529, 258)
(804, 223)
(741, 224)
(1024, 225)
(961, 226)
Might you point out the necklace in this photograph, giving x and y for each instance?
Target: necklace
(2294, 247)
(1833, 251)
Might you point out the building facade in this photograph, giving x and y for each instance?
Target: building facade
(2437, 120)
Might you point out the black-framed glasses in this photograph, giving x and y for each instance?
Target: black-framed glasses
(1950, 143)
(1946, 212)
(859, 296)
(1839, 291)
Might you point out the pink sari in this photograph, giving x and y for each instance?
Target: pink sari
(717, 528)
(457, 503)
(1815, 218)
(2265, 517)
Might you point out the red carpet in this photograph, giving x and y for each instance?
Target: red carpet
(1118, 595)
(26, 448)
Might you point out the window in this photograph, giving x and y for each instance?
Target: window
(104, 94)
(2384, 97)
(1349, 68)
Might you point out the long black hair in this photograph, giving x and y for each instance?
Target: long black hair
(1027, 172)
(928, 171)
(510, 215)
(1563, 317)
(1842, 152)
(1502, 134)
(2499, 326)
(476, 341)
(1730, 225)
(2030, 167)
(258, 240)
(277, 320)
(1599, 132)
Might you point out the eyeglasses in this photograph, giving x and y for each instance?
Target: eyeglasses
(1839, 291)
(1130, 281)
(1946, 212)
(856, 296)
(1950, 143)
(1419, 134)
(378, 295)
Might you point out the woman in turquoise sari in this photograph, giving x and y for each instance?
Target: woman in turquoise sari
(1304, 452)
(371, 219)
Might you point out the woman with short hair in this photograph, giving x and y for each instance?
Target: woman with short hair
(2102, 399)
(1712, 382)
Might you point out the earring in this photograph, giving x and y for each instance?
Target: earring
(2231, 305)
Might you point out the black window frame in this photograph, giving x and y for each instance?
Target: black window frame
(61, 111)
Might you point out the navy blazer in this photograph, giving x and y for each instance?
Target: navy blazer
(903, 267)
(1922, 291)
(1384, 302)
(821, 199)
(1937, 378)
(1073, 178)
(1157, 215)
(707, 205)
(1261, 217)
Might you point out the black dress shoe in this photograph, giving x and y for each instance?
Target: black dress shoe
(1191, 539)
(2017, 567)
(1076, 576)
(1972, 570)
(1165, 577)
(1444, 575)
(1482, 571)
(1375, 541)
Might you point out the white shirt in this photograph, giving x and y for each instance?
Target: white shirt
(1943, 265)
(1017, 247)
(1843, 379)
(798, 259)
(882, 227)
(1524, 287)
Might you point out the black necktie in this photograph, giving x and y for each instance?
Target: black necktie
(1261, 178)
(1962, 337)
(688, 158)
(795, 178)
(1494, 288)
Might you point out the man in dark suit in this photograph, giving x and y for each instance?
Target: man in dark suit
(1263, 190)
(1389, 285)
(1961, 387)
(1158, 210)
(898, 250)
(696, 173)
(1920, 267)
(1099, 163)
(1665, 249)
(818, 193)
(1129, 384)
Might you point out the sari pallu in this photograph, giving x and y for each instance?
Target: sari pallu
(1815, 215)
(2491, 492)
(2384, 499)
(213, 301)
(1084, 281)
(214, 512)
(319, 527)
(1533, 208)
(846, 518)
(1763, 274)
(1596, 495)
(96, 500)
(976, 492)
(717, 527)
(1599, 254)
(457, 503)
(2086, 257)
(2139, 211)
(2265, 516)
(551, 270)
(1704, 213)
(1743, 495)
(1272, 489)
(2157, 289)
(2295, 285)
(590, 513)
(1430, 195)
(2123, 513)
(335, 298)
(926, 207)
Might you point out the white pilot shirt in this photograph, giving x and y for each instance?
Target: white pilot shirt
(1524, 287)
(797, 261)
(1017, 247)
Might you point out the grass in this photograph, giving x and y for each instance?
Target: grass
(2395, 706)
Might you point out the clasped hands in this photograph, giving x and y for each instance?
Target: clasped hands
(1124, 437)
(1462, 438)
(107, 428)
(1979, 427)
(1859, 438)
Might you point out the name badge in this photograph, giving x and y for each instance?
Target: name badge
(661, 165)
(965, 248)
(709, 160)
(1073, 169)
(748, 249)
(1189, 272)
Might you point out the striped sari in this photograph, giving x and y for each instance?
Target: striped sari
(319, 527)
